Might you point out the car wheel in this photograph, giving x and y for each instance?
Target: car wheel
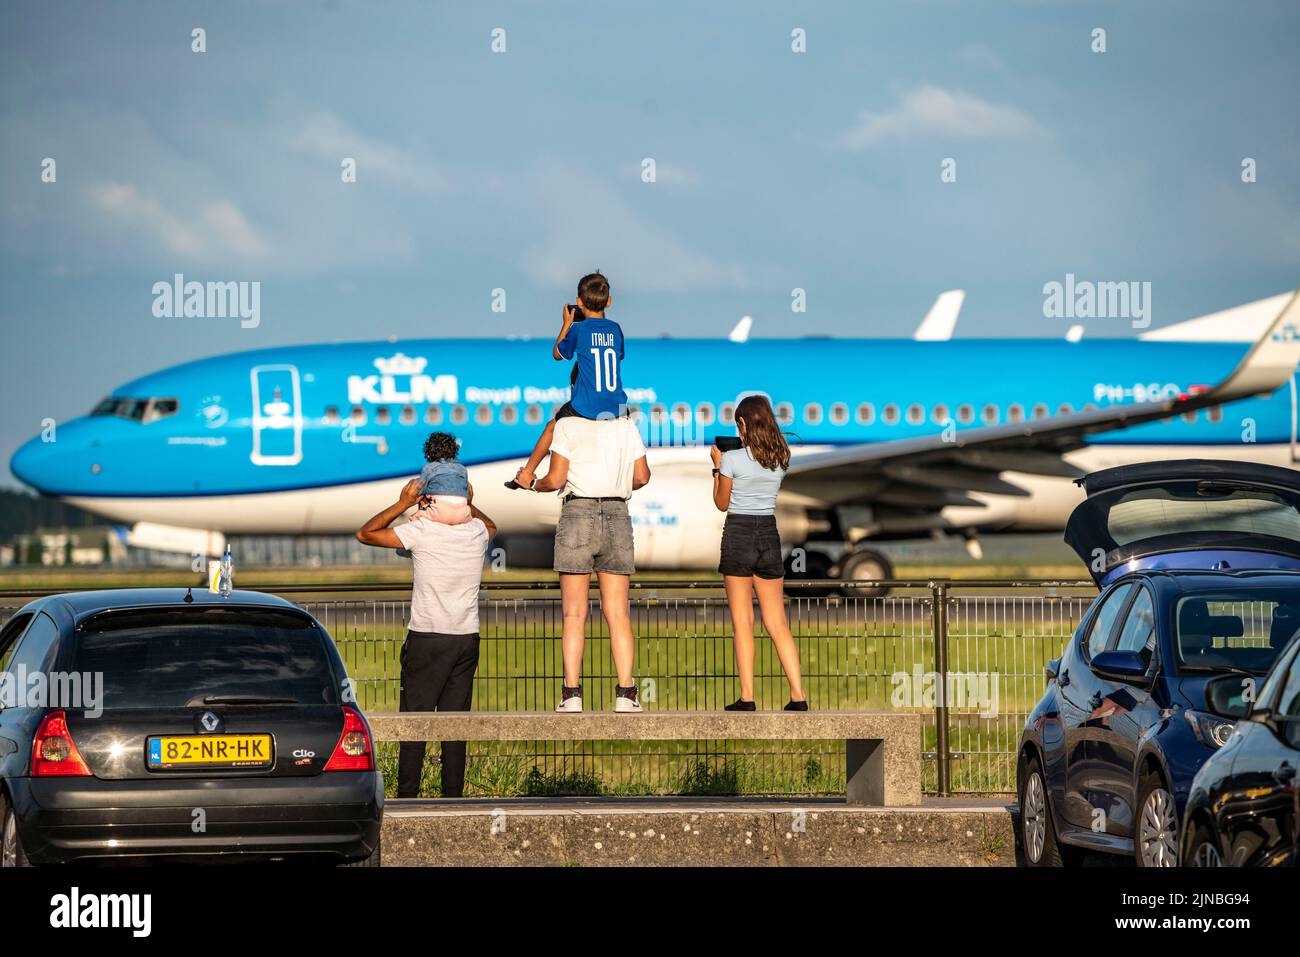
(864, 566)
(11, 845)
(1201, 851)
(1156, 842)
(372, 860)
(1037, 834)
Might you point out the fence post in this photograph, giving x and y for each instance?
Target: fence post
(939, 596)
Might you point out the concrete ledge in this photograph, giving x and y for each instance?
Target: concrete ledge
(684, 833)
(883, 748)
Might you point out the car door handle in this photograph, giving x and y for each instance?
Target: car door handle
(1285, 772)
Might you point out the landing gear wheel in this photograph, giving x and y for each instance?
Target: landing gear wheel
(865, 565)
(1038, 841)
(804, 563)
(1155, 841)
(11, 845)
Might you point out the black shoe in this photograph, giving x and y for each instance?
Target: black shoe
(797, 705)
(740, 704)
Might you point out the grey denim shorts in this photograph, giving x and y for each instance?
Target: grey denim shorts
(594, 536)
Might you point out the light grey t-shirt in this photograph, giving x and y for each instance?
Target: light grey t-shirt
(753, 488)
(448, 569)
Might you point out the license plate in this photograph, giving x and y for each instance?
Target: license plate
(210, 750)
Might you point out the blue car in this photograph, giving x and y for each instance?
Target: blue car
(1199, 566)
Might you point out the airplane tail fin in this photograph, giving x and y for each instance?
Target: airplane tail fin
(939, 322)
(1245, 323)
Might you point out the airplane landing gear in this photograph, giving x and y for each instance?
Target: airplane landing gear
(864, 565)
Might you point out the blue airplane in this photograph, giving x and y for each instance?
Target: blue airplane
(893, 438)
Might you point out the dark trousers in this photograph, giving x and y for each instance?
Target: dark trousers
(437, 675)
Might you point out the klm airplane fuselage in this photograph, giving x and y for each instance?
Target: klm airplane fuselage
(315, 439)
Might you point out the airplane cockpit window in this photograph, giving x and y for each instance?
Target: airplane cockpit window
(137, 410)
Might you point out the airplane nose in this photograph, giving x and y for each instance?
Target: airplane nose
(33, 464)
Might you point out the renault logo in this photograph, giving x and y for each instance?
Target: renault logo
(209, 721)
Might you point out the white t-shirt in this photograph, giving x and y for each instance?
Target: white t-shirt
(601, 454)
(448, 569)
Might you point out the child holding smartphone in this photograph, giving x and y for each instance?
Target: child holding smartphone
(745, 484)
(595, 345)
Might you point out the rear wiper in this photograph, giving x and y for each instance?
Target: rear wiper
(242, 699)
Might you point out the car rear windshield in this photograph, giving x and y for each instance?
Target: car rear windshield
(1245, 631)
(178, 657)
(1201, 507)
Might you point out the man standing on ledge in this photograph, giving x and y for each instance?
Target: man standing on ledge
(440, 653)
(598, 463)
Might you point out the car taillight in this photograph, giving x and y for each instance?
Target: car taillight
(353, 752)
(54, 753)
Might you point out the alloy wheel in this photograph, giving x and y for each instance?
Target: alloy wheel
(1034, 817)
(9, 842)
(1207, 855)
(1158, 830)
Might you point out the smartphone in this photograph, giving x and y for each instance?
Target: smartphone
(578, 314)
(727, 443)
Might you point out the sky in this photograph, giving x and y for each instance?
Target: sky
(504, 146)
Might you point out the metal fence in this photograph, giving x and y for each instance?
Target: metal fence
(967, 654)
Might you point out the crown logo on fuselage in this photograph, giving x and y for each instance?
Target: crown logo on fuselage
(401, 364)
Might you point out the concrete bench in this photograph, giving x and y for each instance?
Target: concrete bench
(882, 749)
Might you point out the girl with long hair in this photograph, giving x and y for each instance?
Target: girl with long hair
(745, 483)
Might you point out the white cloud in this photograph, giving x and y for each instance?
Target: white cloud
(215, 227)
(979, 57)
(933, 109)
(328, 137)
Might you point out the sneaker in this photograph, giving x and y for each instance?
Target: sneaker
(740, 704)
(797, 705)
(570, 701)
(625, 701)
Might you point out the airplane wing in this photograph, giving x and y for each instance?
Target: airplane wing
(916, 477)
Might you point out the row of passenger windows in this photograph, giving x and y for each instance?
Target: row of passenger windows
(706, 414)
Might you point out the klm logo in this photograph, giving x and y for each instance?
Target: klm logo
(398, 371)
(653, 516)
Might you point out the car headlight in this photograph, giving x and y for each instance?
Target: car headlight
(1211, 730)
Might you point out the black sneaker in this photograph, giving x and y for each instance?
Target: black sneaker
(625, 700)
(570, 700)
(740, 704)
(797, 705)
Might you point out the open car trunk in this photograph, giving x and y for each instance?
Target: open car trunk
(1187, 514)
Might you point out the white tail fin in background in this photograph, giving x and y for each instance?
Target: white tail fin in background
(1239, 324)
(939, 322)
(741, 332)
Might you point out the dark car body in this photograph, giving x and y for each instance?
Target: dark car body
(1243, 809)
(211, 679)
(1198, 563)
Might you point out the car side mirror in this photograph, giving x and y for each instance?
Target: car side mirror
(1127, 666)
(1230, 696)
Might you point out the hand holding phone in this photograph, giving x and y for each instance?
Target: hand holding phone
(727, 443)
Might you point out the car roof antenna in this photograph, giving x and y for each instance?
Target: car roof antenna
(189, 595)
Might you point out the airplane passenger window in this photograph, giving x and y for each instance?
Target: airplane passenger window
(658, 413)
(382, 415)
(433, 415)
(331, 414)
(704, 413)
(633, 412)
(890, 414)
(1015, 412)
(727, 413)
(1215, 413)
(915, 414)
(458, 415)
(1064, 409)
(866, 413)
(509, 415)
(940, 414)
(812, 413)
(483, 414)
(784, 413)
(408, 415)
(839, 413)
(1189, 416)
(533, 414)
(965, 413)
(990, 414)
(358, 416)
(681, 414)
(1040, 410)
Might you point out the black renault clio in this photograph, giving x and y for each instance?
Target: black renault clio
(159, 723)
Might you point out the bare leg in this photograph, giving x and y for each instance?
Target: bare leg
(613, 604)
(740, 598)
(574, 594)
(540, 451)
(771, 604)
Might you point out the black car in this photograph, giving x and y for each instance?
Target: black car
(1244, 805)
(157, 723)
